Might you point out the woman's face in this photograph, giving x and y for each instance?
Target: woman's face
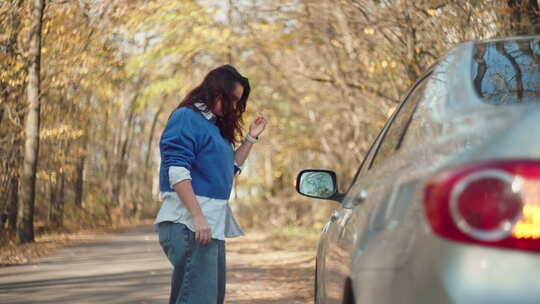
(238, 91)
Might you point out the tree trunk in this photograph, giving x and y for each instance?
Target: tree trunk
(151, 137)
(121, 165)
(2, 111)
(57, 202)
(230, 21)
(9, 97)
(25, 225)
(61, 200)
(79, 182)
(12, 207)
(53, 185)
(524, 17)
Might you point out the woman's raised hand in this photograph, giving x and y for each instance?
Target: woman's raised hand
(258, 125)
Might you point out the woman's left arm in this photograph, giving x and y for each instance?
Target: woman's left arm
(255, 129)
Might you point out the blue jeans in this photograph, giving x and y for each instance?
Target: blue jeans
(199, 270)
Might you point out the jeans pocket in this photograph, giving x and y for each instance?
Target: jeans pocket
(185, 234)
(164, 232)
(179, 246)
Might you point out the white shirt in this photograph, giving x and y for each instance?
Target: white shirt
(218, 213)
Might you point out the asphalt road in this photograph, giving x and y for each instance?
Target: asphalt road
(130, 267)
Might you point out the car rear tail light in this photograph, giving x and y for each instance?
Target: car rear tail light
(495, 203)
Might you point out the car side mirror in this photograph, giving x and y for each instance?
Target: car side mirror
(317, 183)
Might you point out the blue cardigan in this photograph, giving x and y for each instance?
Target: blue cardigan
(195, 143)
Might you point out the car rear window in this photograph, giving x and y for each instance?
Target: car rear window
(507, 72)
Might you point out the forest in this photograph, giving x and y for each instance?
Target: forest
(86, 87)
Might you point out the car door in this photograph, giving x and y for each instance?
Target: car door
(349, 223)
(330, 266)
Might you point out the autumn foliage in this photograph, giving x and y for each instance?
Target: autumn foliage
(328, 73)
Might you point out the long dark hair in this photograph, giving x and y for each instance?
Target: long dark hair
(221, 82)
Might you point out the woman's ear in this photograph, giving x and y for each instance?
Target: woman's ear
(218, 106)
(218, 98)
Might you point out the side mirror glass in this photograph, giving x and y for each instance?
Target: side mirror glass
(317, 183)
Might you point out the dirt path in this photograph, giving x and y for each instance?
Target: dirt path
(268, 270)
(129, 267)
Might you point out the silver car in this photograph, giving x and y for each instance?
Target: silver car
(445, 207)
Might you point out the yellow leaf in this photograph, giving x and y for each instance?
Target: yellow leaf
(335, 43)
(369, 31)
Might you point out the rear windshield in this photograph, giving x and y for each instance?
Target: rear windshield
(507, 72)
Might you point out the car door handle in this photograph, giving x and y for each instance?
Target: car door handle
(334, 216)
(360, 197)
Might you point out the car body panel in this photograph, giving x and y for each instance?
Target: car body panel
(384, 243)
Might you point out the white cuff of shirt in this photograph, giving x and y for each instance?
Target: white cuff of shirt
(239, 167)
(178, 174)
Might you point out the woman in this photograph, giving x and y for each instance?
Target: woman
(198, 164)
